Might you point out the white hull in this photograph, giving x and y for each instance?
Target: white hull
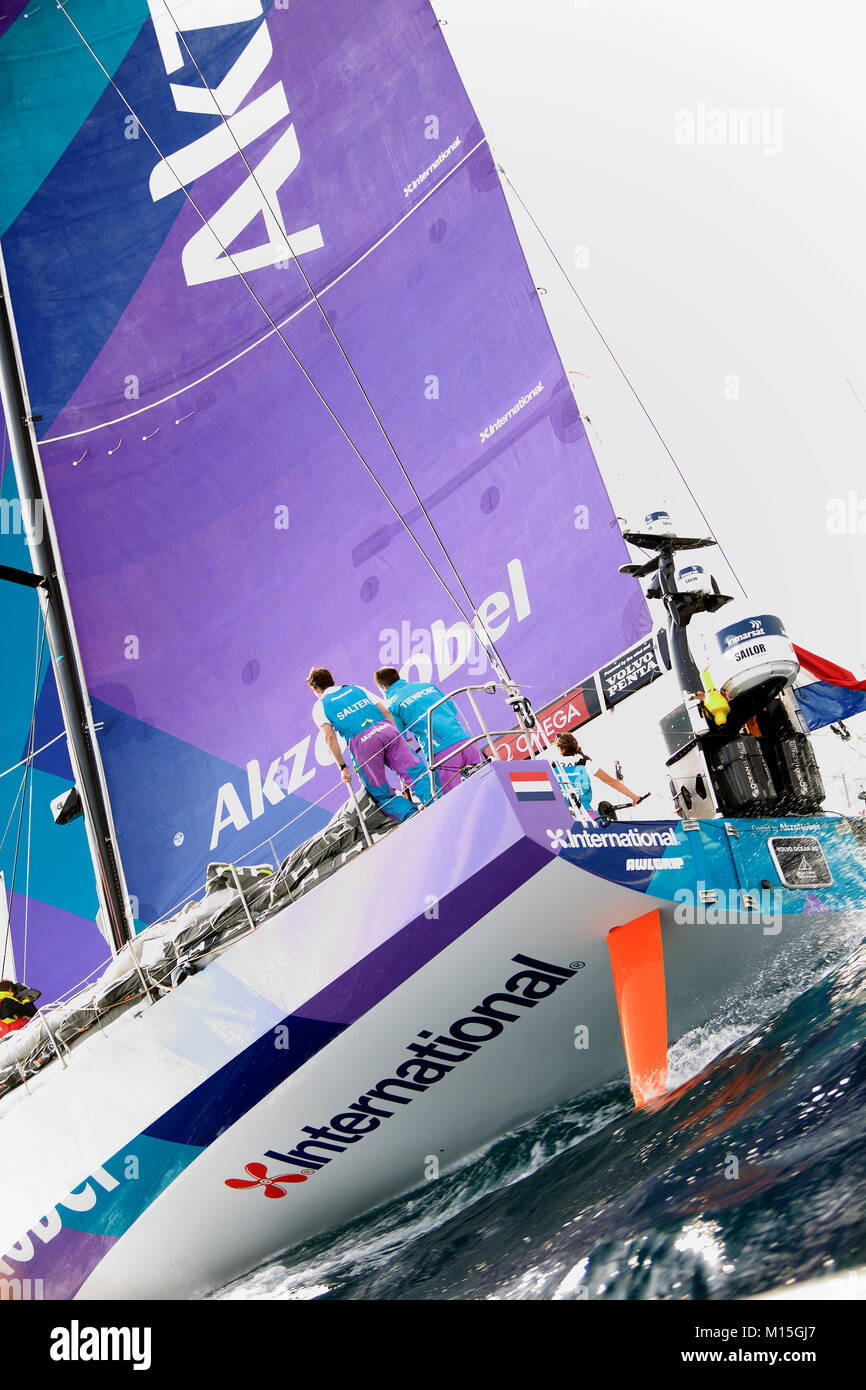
(156, 1219)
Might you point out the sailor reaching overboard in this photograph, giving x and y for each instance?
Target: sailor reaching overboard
(409, 702)
(570, 765)
(374, 743)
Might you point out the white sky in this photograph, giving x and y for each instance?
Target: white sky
(705, 262)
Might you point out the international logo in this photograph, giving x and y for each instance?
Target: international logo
(259, 1177)
(430, 1060)
(628, 837)
(559, 839)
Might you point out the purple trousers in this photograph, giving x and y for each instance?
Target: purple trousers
(381, 746)
(453, 759)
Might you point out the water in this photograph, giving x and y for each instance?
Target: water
(749, 1174)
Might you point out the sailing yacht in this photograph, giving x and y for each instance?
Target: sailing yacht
(277, 375)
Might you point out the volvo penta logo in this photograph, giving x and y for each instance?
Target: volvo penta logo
(259, 1177)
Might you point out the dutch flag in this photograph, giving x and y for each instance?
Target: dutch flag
(532, 786)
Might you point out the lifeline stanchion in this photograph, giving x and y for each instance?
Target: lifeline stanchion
(247, 912)
(364, 829)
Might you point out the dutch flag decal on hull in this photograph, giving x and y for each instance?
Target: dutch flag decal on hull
(531, 786)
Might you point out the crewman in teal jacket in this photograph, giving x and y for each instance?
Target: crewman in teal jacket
(368, 729)
(409, 703)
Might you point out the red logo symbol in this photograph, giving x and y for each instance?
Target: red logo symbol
(259, 1178)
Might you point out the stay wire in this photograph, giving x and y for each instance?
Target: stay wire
(271, 321)
(3, 459)
(29, 839)
(276, 212)
(28, 772)
(24, 763)
(311, 805)
(35, 754)
(7, 945)
(625, 377)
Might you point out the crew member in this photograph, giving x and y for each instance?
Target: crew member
(409, 702)
(374, 743)
(14, 1012)
(570, 765)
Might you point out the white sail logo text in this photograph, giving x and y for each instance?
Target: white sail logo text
(431, 168)
(204, 255)
(491, 429)
(80, 1199)
(416, 651)
(450, 648)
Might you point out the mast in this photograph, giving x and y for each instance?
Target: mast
(71, 688)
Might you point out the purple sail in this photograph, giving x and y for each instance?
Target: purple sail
(227, 517)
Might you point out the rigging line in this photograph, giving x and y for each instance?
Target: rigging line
(857, 754)
(7, 944)
(309, 806)
(69, 994)
(624, 376)
(28, 771)
(230, 361)
(29, 846)
(267, 315)
(3, 459)
(14, 804)
(856, 397)
(386, 436)
(31, 756)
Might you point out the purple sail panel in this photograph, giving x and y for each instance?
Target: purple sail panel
(221, 532)
(59, 951)
(11, 12)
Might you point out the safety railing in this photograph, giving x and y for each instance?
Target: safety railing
(506, 693)
(490, 688)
